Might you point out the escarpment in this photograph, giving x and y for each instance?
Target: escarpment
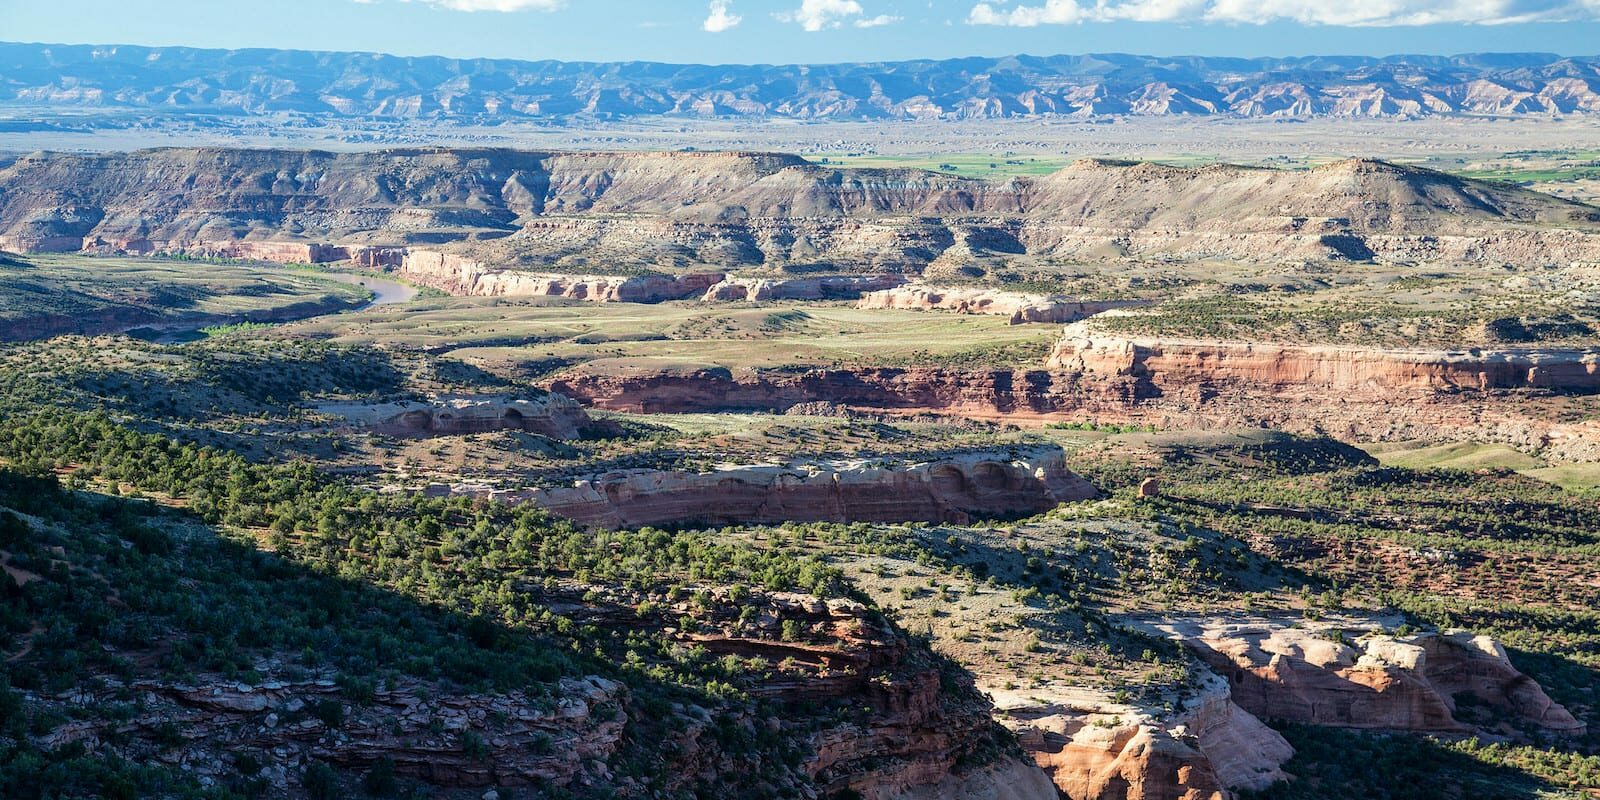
(570, 211)
(830, 287)
(1020, 307)
(468, 276)
(1013, 482)
(1168, 366)
(674, 687)
(976, 392)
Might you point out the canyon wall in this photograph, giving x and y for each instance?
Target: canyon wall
(1170, 365)
(568, 212)
(830, 287)
(975, 392)
(1348, 393)
(1020, 307)
(960, 487)
(460, 275)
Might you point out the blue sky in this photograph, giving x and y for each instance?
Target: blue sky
(786, 31)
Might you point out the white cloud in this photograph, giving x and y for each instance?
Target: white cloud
(1356, 13)
(873, 22)
(721, 17)
(498, 5)
(815, 15)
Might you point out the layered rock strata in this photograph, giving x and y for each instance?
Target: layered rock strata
(1012, 482)
(647, 210)
(1095, 749)
(1020, 307)
(919, 732)
(468, 276)
(552, 415)
(829, 287)
(1170, 365)
(1362, 678)
(1348, 392)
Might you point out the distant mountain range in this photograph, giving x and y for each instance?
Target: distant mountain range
(384, 86)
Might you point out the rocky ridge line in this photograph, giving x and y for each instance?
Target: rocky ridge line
(1092, 85)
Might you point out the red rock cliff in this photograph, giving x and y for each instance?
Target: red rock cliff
(1007, 482)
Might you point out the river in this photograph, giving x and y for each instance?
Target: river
(384, 291)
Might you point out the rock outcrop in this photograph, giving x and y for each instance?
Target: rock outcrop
(913, 731)
(461, 275)
(415, 726)
(1363, 678)
(1095, 749)
(828, 287)
(1021, 307)
(552, 415)
(1172, 366)
(567, 212)
(1010, 482)
(972, 392)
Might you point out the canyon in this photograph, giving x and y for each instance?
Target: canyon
(1172, 383)
(714, 542)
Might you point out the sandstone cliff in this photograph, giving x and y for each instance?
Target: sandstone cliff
(1364, 678)
(1017, 481)
(469, 276)
(1020, 307)
(915, 729)
(1347, 393)
(831, 287)
(1173, 365)
(1095, 749)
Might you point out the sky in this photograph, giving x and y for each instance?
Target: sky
(818, 31)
